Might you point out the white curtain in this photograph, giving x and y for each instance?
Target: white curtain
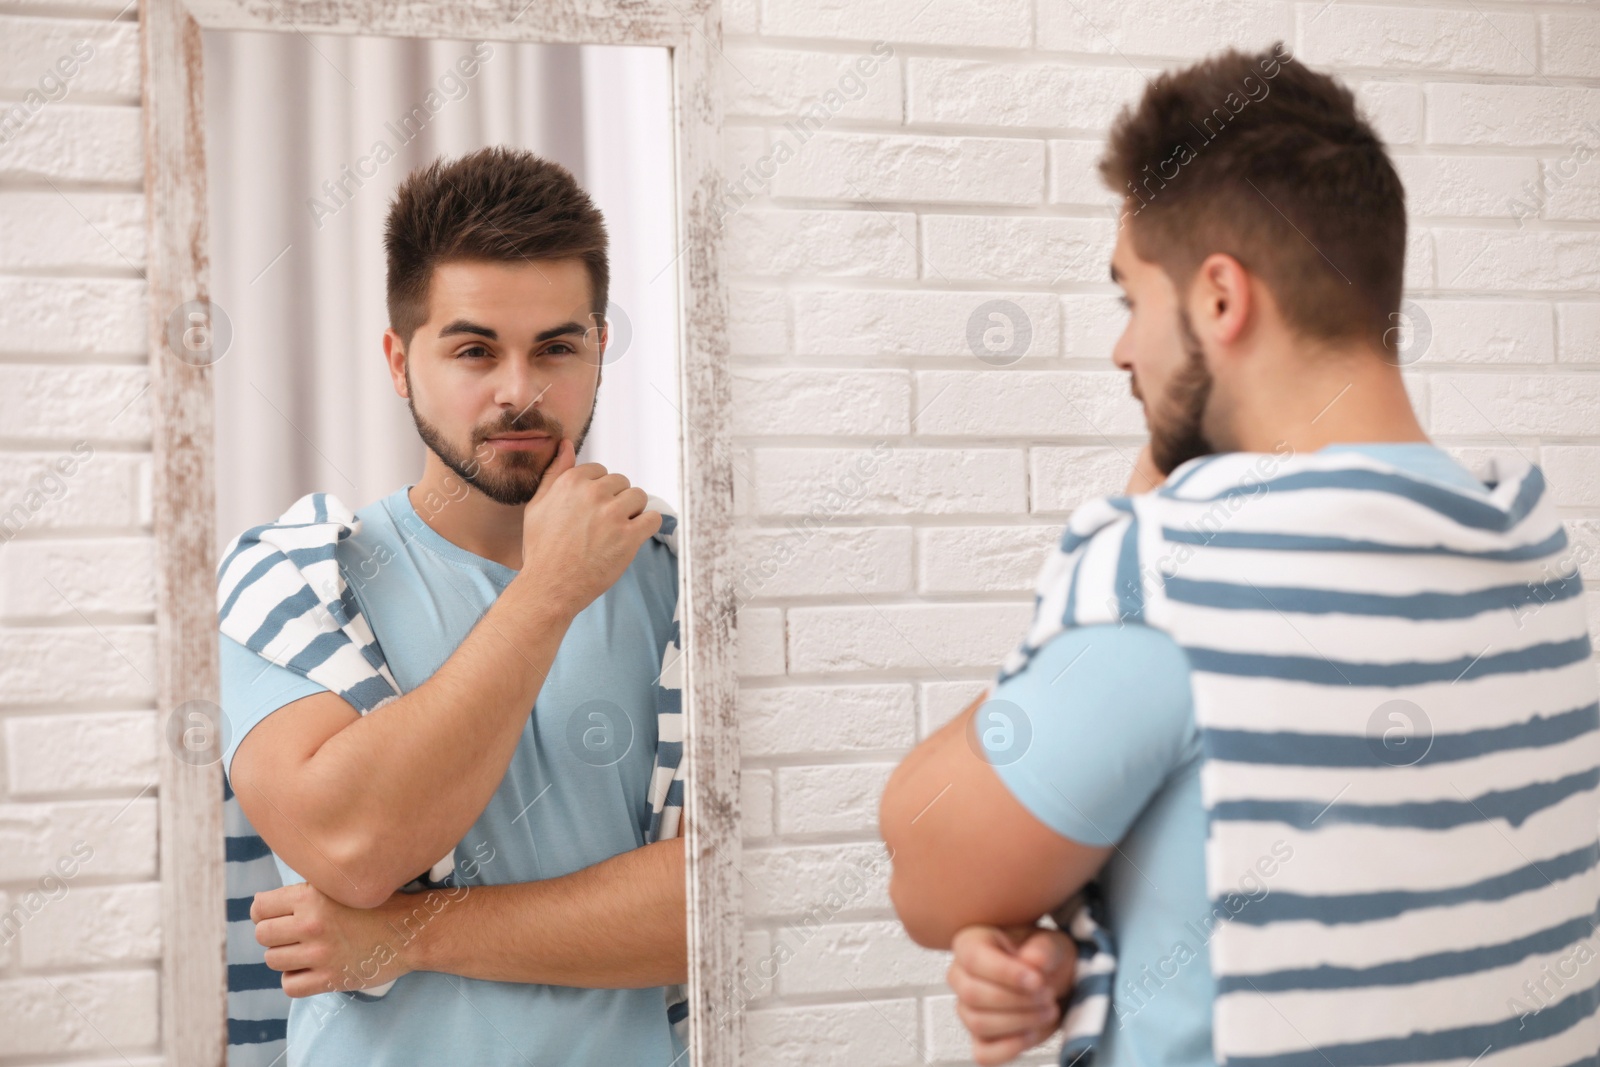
(304, 401)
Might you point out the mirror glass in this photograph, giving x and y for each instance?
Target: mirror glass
(371, 521)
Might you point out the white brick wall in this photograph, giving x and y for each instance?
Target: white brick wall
(958, 172)
(80, 937)
(980, 186)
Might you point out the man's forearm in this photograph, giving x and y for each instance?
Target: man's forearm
(408, 781)
(620, 924)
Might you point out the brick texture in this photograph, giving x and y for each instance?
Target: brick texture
(897, 248)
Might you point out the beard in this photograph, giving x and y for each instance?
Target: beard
(1175, 419)
(515, 476)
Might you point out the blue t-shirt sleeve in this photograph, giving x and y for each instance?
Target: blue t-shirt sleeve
(254, 687)
(1109, 717)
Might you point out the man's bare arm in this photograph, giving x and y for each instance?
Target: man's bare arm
(964, 849)
(620, 924)
(360, 805)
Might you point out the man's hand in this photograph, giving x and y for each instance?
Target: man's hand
(1146, 475)
(1007, 982)
(582, 528)
(321, 945)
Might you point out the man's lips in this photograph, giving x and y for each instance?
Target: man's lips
(516, 442)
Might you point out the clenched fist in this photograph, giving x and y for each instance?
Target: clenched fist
(1008, 984)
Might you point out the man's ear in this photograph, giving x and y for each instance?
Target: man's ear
(394, 354)
(1222, 298)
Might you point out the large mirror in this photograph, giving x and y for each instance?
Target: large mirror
(440, 387)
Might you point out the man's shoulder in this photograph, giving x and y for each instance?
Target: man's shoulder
(321, 515)
(654, 573)
(375, 533)
(1132, 678)
(659, 553)
(655, 567)
(309, 549)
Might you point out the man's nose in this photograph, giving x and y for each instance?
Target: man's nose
(521, 386)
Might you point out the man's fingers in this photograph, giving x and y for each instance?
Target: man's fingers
(271, 903)
(993, 959)
(990, 1053)
(277, 931)
(1056, 956)
(614, 483)
(306, 982)
(564, 458)
(1145, 475)
(1045, 950)
(631, 501)
(648, 523)
(994, 1025)
(1002, 995)
(292, 957)
(982, 994)
(982, 938)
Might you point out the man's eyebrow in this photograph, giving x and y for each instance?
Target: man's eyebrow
(560, 331)
(1116, 275)
(463, 326)
(460, 326)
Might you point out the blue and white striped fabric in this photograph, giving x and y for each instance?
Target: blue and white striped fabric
(281, 593)
(1397, 704)
(1083, 919)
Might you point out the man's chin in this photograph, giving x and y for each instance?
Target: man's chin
(513, 490)
(513, 498)
(1170, 459)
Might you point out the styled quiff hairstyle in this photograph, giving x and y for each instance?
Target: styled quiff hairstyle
(500, 204)
(1262, 158)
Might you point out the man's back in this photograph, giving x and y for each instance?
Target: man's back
(1392, 678)
(1401, 814)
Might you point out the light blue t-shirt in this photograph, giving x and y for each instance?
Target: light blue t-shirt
(573, 796)
(1114, 759)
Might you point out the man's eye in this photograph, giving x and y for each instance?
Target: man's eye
(1125, 302)
(560, 348)
(475, 350)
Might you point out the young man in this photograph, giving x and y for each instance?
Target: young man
(523, 606)
(1318, 716)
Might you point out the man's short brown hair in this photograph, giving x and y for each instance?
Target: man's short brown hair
(499, 204)
(1258, 156)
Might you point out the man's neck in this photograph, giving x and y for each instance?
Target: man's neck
(464, 516)
(1350, 398)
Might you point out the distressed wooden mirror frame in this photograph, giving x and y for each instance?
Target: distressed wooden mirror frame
(193, 998)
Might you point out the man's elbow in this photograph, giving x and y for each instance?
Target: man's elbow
(894, 820)
(909, 902)
(921, 894)
(360, 872)
(922, 922)
(344, 865)
(909, 890)
(363, 897)
(318, 836)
